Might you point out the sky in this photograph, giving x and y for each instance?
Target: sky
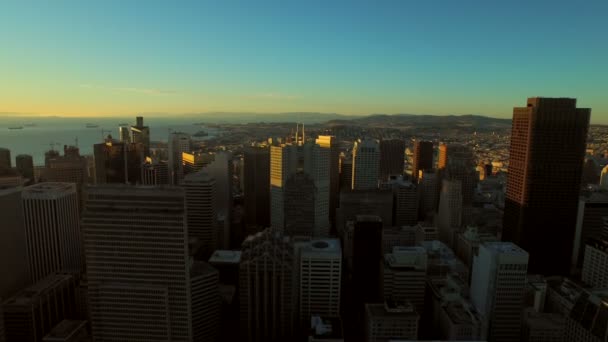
(94, 58)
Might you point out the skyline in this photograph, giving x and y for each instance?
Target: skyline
(113, 59)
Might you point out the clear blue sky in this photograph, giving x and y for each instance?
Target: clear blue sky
(433, 57)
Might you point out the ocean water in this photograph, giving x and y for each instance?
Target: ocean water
(36, 140)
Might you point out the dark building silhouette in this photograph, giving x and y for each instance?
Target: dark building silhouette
(299, 205)
(118, 162)
(256, 163)
(367, 256)
(392, 154)
(548, 141)
(25, 166)
(423, 157)
(5, 158)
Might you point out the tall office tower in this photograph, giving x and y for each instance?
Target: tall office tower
(320, 272)
(5, 158)
(30, 314)
(428, 184)
(367, 255)
(423, 157)
(201, 195)
(391, 321)
(595, 266)
(299, 196)
(346, 172)
(155, 173)
(467, 243)
(449, 216)
(330, 142)
(283, 163)
(52, 230)
(117, 162)
(400, 236)
(13, 258)
(178, 144)
(136, 247)
(124, 134)
(442, 158)
(222, 170)
(592, 208)
(460, 165)
(140, 134)
(404, 275)
(195, 161)
(366, 164)
(206, 301)
(25, 166)
(256, 164)
(2, 337)
(497, 289)
(604, 178)
(69, 168)
(405, 201)
(392, 157)
(371, 202)
(318, 164)
(268, 287)
(542, 191)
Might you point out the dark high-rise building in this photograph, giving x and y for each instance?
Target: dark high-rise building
(423, 157)
(117, 162)
(5, 158)
(140, 134)
(25, 166)
(367, 257)
(548, 141)
(460, 165)
(392, 155)
(257, 185)
(299, 198)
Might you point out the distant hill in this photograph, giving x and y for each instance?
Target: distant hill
(438, 122)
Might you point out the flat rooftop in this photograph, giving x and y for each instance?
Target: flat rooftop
(225, 257)
(503, 247)
(65, 330)
(48, 189)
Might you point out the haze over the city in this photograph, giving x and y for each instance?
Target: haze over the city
(116, 58)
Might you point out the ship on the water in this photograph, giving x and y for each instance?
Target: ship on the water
(90, 125)
(16, 127)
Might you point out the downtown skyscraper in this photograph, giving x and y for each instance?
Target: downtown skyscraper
(136, 247)
(52, 230)
(548, 143)
(366, 164)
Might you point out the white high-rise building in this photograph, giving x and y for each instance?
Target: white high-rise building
(366, 164)
(320, 275)
(201, 195)
(283, 163)
(136, 246)
(178, 144)
(595, 263)
(404, 275)
(52, 230)
(497, 289)
(449, 216)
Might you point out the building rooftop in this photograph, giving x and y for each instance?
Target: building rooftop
(503, 247)
(325, 327)
(65, 330)
(322, 246)
(48, 189)
(391, 308)
(225, 257)
(32, 293)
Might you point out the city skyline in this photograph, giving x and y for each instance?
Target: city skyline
(106, 59)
